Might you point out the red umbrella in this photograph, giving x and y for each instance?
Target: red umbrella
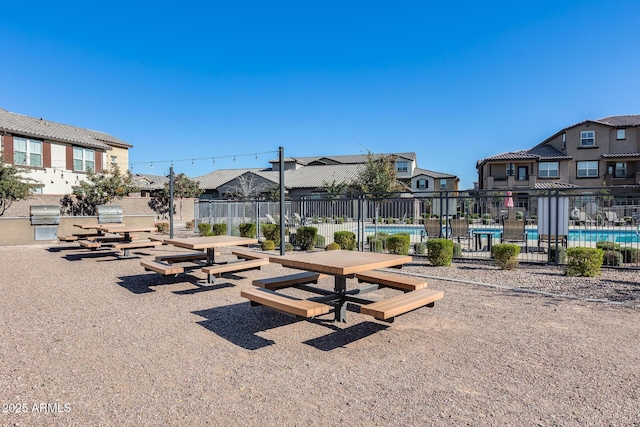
(508, 201)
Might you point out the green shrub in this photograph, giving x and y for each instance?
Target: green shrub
(345, 239)
(307, 237)
(440, 252)
(381, 236)
(288, 247)
(506, 255)
(268, 245)
(631, 255)
(204, 228)
(248, 229)
(389, 220)
(321, 242)
(457, 250)
(419, 248)
(584, 261)
(162, 227)
(339, 220)
(332, 247)
(375, 245)
(271, 232)
(219, 229)
(398, 244)
(608, 246)
(562, 254)
(189, 225)
(613, 258)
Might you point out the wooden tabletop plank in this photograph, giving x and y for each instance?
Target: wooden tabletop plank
(340, 262)
(206, 242)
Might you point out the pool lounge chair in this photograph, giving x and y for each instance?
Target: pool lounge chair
(433, 227)
(513, 231)
(583, 218)
(460, 230)
(612, 218)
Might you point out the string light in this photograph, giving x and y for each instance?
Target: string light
(193, 160)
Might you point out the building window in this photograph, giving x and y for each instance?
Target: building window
(27, 152)
(402, 166)
(510, 169)
(587, 169)
(564, 140)
(36, 190)
(621, 170)
(620, 134)
(83, 159)
(548, 170)
(588, 138)
(523, 173)
(114, 160)
(443, 184)
(423, 184)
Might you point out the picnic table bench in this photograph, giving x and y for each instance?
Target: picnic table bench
(161, 267)
(87, 244)
(249, 254)
(184, 257)
(285, 304)
(402, 283)
(288, 281)
(388, 309)
(232, 267)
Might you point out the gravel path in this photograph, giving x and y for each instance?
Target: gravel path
(90, 340)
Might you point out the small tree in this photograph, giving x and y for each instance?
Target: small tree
(98, 189)
(183, 187)
(13, 186)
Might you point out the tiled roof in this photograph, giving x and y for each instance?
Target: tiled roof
(620, 155)
(150, 182)
(554, 184)
(432, 174)
(316, 176)
(217, 178)
(537, 153)
(40, 128)
(344, 159)
(620, 121)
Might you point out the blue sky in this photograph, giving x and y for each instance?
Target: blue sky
(453, 82)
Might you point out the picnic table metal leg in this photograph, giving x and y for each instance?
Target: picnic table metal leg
(341, 305)
(211, 256)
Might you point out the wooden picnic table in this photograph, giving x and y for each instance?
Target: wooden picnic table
(341, 265)
(210, 243)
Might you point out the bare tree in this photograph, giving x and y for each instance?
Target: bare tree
(247, 188)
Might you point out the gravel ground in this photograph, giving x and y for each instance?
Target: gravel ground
(90, 340)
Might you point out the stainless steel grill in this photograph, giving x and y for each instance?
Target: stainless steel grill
(109, 214)
(45, 215)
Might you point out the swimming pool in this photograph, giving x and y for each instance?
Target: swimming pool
(625, 235)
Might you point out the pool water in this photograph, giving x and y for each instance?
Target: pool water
(575, 235)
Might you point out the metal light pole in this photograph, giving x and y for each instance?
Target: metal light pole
(171, 202)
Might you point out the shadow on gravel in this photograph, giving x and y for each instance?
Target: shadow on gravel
(62, 248)
(141, 283)
(239, 323)
(341, 337)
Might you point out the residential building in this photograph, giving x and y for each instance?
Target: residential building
(55, 155)
(307, 176)
(589, 154)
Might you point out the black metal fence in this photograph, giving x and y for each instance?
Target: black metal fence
(544, 225)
